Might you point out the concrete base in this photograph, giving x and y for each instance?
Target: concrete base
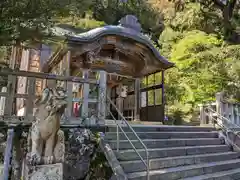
(45, 172)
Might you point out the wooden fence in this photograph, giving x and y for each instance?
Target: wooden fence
(9, 93)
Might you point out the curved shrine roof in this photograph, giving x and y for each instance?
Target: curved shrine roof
(119, 30)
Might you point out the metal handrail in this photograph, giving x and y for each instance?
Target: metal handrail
(118, 126)
(220, 117)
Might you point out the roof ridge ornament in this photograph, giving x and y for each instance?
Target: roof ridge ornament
(130, 21)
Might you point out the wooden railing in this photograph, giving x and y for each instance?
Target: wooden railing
(9, 95)
(224, 108)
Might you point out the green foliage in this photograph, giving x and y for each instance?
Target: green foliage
(194, 38)
(205, 63)
(111, 11)
(99, 168)
(22, 20)
(188, 19)
(3, 53)
(187, 52)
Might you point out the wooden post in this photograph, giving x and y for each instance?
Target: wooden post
(102, 97)
(137, 99)
(31, 97)
(119, 100)
(163, 95)
(108, 105)
(11, 87)
(69, 108)
(2, 101)
(147, 109)
(22, 81)
(13, 57)
(85, 96)
(11, 92)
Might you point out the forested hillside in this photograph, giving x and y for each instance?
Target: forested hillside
(200, 36)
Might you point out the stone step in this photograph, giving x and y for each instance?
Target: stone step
(163, 128)
(126, 155)
(159, 163)
(184, 172)
(163, 143)
(233, 174)
(162, 135)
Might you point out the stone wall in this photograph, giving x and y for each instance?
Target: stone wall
(84, 159)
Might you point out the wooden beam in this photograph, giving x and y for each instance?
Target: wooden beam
(24, 96)
(14, 121)
(159, 86)
(85, 95)
(48, 76)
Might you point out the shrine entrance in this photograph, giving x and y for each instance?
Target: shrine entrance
(100, 73)
(120, 58)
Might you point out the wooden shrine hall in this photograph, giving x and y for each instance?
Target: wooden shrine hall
(119, 57)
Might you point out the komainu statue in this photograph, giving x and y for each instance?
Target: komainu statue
(46, 140)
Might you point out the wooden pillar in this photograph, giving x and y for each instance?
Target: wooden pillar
(102, 97)
(69, 85)
(119, 100)
(12, 62)
(154, 91)
(147, 114)
(30, 102)
(11, 89)
(85, 95)
(163, 96)
(22, 81)
(108, 105)
(137, 99)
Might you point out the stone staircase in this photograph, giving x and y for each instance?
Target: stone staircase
(176, 152)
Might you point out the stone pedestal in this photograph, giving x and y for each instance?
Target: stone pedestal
(45, 172)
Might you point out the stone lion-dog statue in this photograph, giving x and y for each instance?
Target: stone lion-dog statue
(46, 140)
